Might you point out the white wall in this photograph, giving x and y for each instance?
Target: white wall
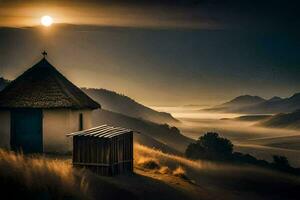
(4, 129)
(59, 122)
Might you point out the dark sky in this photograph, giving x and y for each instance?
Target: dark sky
(160, 52)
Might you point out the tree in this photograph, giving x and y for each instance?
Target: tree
(210, 146)
(195, 151)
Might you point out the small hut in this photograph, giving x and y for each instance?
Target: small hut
(39, 108)
(105, 150)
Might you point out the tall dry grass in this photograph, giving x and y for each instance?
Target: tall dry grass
(248, 180)
(159, 162)
(38, 177)
(143, 153)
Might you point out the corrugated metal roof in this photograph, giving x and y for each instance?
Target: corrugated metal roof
(103, 131)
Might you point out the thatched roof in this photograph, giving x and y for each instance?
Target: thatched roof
(42, 86)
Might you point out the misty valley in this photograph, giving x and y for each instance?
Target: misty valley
(164, 135)
(248, 136)
(149, 100)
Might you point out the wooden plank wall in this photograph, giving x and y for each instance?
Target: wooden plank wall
(104, 156)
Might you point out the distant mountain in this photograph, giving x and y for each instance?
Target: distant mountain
(163, 137)
(289, 120)
(237, 103)
(244, 100)
(279, 105)
(3, 83)
(275, 98)
(118, 103)
(257, 105)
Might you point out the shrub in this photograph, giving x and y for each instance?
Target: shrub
(210, 146)
(180, 172)
(164, 170)
(148, 163)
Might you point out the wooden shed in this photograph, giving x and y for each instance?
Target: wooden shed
(105, 150)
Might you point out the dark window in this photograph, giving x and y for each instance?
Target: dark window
(80, 121)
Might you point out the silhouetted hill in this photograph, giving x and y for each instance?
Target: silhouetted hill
(237, 103)
(258, 105)
(289, 120)
(122, 104)
(160, 136)
(244, 100)
(275, 98)
(285, 105)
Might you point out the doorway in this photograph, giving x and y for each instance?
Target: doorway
(27, 130)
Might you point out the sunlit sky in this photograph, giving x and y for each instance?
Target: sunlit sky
(160, 52)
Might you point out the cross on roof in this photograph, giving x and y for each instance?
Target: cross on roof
(44, 53)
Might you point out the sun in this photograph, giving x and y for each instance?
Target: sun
(46, 20)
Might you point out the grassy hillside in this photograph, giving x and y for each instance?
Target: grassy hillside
(39, 178)
(118, 103)
(155, 135)
(158, 176)
(220, 181)
(44, 178)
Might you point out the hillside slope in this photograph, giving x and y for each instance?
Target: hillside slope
(244, 100)
(172, 177)
(151, 134)
(221, 181)
(118, 103)
(282, 120)
(237, 103)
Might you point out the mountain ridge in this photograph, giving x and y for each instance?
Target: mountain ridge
(123, 104)
(244, 100)
(237, 103)
(258, 105)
